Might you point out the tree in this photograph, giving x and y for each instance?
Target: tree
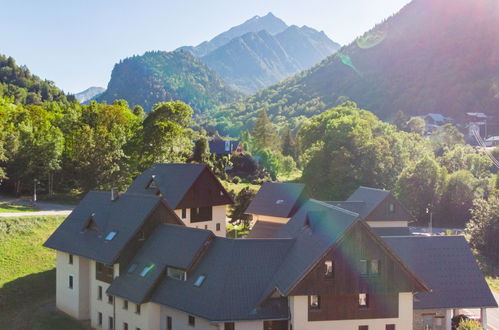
(400, 120)
(416, 125)
(469, 324)
(419, 186)
(265, 134)
(271, 161)
(464, 157)
(201, 150)
(446, 138)
(289, 146)
(241, 203)
(483, 228)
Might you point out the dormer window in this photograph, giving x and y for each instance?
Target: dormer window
(328, 265)
(110, 236)
(176, 273)
(90, 224)
(152, 183)
(392, 207)
(363, 300)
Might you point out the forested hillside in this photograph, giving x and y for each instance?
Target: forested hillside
(258, 59)
(161, 76)
(429, 57)
(24, 87)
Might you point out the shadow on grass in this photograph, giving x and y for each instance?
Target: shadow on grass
(8, 207)
(29, 303)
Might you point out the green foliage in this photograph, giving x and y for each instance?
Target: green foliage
(265, 134)
(163, 76)
(241, 203)
(445, 138)
(416, 125)
(289, 145)
(469, 325)
(465, 157)
(483, 228)
(201, 150)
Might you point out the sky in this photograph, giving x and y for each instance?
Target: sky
(76, 43)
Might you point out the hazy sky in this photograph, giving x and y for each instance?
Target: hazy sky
(77, 42)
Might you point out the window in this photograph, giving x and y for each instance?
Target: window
(363, 327)
(315, 302)
(184, 213)
(103, 272)
(328, 271)
(363, 300)
(132, 268)
(109, 299)
(146, 270)
(176, 273)
(199, 281)
(125, 326)
(70, 281)
(110, 236)
(137, 309)
(374, 269)
(201, 214)
(70, 259)
(111, 323)
(218, 227)
(392, 207)
(390, 327)
(99, 318)
(229, 326)
(363, 268)
(192, 321)
(99, 293)
(125, 304)
(168, 323)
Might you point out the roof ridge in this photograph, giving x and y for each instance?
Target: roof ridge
(335, 207)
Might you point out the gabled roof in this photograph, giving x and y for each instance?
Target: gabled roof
(448, 267)
(237, 273)
(173, 181)
(169, 245)
(371, 198)
(277, 199)
(264, 229)
(124, 216)
(316, 227)
(222, 147)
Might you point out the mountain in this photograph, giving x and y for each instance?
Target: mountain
(256, 60)
(161, 76)
(89, 94)
(26, 88)
(269, 23)
(432, 56)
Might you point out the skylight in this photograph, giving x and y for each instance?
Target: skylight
(111, 235)
(146, 270)
(279, 201)
(199, 281)
(132, 268)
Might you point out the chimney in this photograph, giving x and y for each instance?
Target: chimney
(114, 194)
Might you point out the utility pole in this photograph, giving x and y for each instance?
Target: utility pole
(429, 210)
(35, 181)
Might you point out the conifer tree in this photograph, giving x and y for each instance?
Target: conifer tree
(265, 134)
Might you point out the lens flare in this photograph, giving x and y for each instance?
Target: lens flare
(345, 59)
(371, 39)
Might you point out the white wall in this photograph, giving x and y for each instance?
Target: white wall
(97, 305)
(299, 317)
(148, 318)
(180, 320)
(248, 325)
(387, 223)
(72, 301)
(219, 216)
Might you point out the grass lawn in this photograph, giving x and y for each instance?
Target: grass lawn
(14, 208)
(493, 283)
(27, 275)
(237, 187)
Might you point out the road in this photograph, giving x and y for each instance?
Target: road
(492, 314)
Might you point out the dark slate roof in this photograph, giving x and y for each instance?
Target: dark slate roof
(219, 147)
(370, 196)
(447, 266)
(169, 245)
(264, 229)
(354, 206)
(392, 231)
(173, 180)
(316, 227)
(125, 215)
(277, 199)
(237, 274)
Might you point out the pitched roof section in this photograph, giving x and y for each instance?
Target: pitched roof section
(370, 197)
(169, 246)
(278, 199)
(316, 227)
(174, 181)
(123, 216)
(392, 231)
(222, 147)
(237, 273)
(264, 229)
(448, 267)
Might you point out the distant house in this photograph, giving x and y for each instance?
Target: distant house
(435, 119)
(492, 141)
(225, 147)
(476, 121)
